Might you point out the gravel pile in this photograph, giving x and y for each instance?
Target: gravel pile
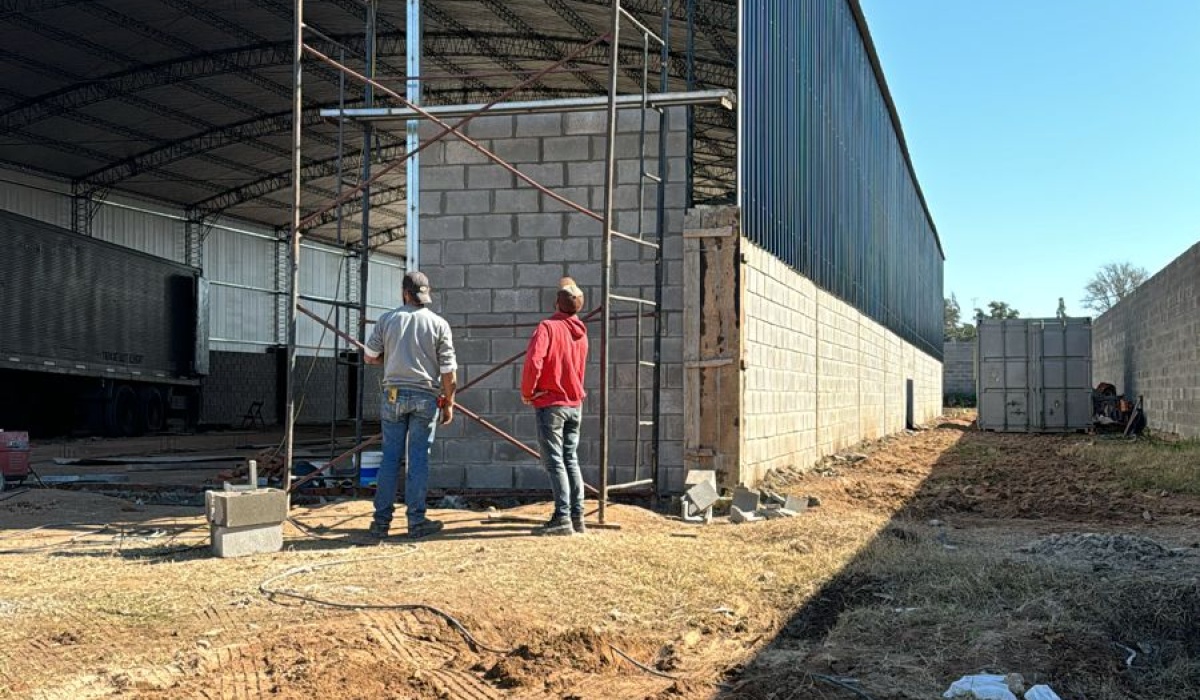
(1102, 549)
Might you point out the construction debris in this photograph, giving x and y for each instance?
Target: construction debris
(700, 495)
(751, 505)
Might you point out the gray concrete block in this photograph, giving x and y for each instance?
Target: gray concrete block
(522, 201)
(447, 476)
(703, 495)
(585, 123)
(505, 452)
(466, 252)
(566, 249)
(577, 195)
(462, 153)
(490, 127)
(468, 450)
(539, 276)
(490, 226)
(584, 227)
(518, 251)
(634, 274)
(745, 499)
(518, 151)
(446, 278)
(514, 300)
(507, 401)
(467, 301)
(545, 174)
(491, 276)
(235, 509)
(539, 125)
(566, 148)
(540, 225)
(491, 476)
(530, 477)
(442, 228)
(737, 515)
(468, 202)
(229, 542)
(493, 177)
(431, 203)
(587, 173)
(443, 177)
(637, 120)
(431, 253)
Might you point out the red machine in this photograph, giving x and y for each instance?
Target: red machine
(14, 456)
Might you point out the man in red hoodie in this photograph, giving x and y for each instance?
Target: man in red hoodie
(552, 382)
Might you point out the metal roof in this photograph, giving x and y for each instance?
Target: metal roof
(189, 102)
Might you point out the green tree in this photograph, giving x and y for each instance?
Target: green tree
(953, 328)
(1111, 284)
(998, 309)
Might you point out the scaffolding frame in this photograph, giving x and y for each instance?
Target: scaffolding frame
(413, 111)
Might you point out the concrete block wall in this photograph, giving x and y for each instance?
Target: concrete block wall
(958, 367)
(1149, 345)
(820, 376)
(494, 249)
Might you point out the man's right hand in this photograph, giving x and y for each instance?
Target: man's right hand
(447, 414)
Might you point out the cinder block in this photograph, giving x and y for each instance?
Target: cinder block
(443, 177)
(465, 252)
(462, 153)
(737, 515)
(447, 476)
(489, 476)
(442, 228)
(235, 509)
(585, 123)
(565, 148)
(540, 225)
(539, 125)
(489, 127)
(490, 226)
(530, 477)
(545, 174)
(574, 250)
(518, 151)
(745, 499)
(228, 542)
(586, 173)
(468, 202)
(514, 300)
(467, 451)
(491, 276)
(492, 177)
(576, 195)
(522, 201)
(518, 251)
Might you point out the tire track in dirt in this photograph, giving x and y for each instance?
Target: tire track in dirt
(404, 635)
(462, 685)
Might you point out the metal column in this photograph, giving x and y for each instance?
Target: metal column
(412, 191)
(294, 259)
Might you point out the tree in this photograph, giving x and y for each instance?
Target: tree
(998, 309)
(1111, 284)
(953, 328)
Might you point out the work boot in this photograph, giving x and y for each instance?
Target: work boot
(424, 528)
(555, 526)
(578, 524)
(377, 531)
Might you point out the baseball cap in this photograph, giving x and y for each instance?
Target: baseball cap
(417, 284)
(570, 296)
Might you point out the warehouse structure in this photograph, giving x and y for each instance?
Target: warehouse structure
(777, 270)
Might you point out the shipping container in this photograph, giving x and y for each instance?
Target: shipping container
(93, 332)
(1034, 375)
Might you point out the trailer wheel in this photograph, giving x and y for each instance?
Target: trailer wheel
(153, 409)
(122, 413)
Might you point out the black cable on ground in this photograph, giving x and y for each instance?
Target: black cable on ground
(271, 593)
(648, 669)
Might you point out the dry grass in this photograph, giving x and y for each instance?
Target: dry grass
(1149, 463)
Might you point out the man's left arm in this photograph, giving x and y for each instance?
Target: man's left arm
(373, 353)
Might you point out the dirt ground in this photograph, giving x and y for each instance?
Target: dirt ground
(932, 555)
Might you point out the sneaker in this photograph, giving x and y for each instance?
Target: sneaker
(424, 528)
(578, 524)
(377, 531)
(555, 526)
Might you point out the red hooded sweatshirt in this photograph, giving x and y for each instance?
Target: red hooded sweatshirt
(555, 362)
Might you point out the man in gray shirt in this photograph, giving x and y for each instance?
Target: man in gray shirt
(416, 349)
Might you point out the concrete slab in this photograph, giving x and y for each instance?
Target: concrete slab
(796, 504)
(228, 542)
(745, 500)
(737, 515)
(702, 495)
(235, 509)
(696, 476)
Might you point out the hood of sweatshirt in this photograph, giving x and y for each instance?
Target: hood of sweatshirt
(578, 328)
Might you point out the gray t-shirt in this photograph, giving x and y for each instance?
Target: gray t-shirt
(417, 348)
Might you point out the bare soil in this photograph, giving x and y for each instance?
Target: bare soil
(940, 553)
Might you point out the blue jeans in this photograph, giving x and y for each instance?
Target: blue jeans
(558, 438)
(411, 420)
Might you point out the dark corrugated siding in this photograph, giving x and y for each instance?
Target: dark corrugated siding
(826, 183)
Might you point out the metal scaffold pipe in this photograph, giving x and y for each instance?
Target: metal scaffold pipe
(610, 179)
(294, 258)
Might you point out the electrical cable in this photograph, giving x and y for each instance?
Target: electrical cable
(272, 593)
(648, 669)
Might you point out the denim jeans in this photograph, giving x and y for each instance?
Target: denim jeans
(558, 438)
(411, 420)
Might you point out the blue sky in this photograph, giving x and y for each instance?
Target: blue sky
(1049, 136)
